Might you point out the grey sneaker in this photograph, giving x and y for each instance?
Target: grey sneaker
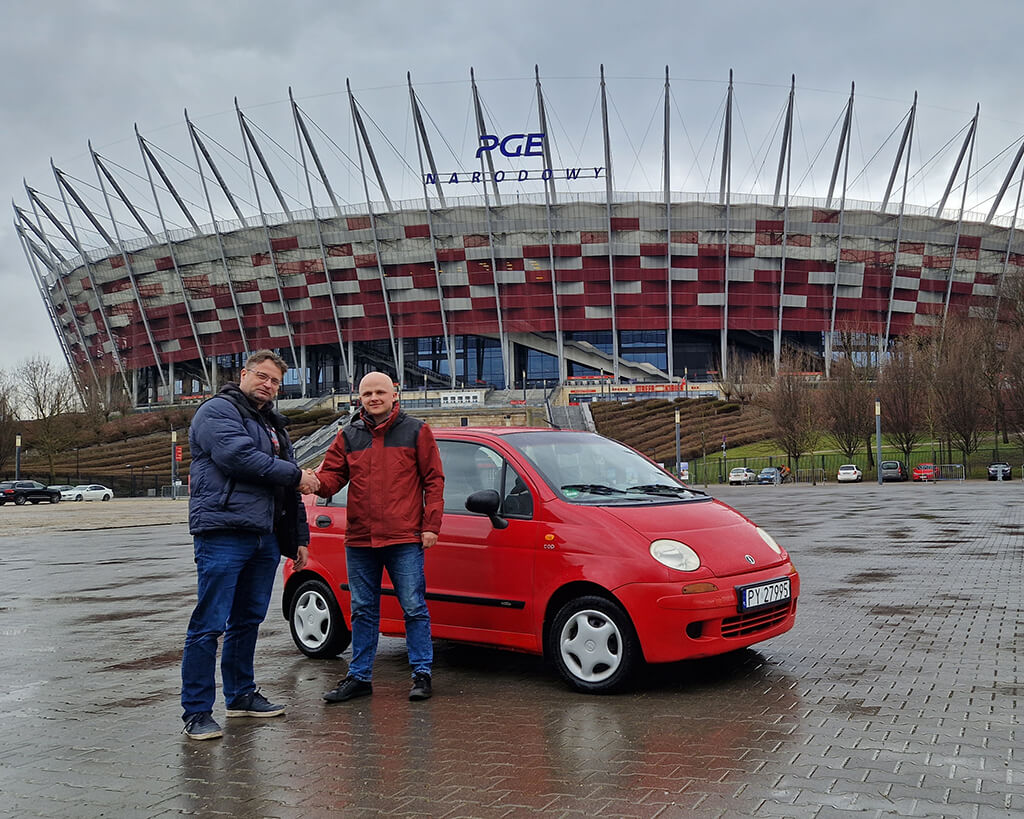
(253, 705)
(421, 687)
(349, 688)
(202, 726)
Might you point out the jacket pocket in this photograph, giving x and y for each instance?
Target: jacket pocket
(225, 495)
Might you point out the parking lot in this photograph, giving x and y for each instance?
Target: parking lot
(898, 693)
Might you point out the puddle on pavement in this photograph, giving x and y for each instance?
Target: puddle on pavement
(168, 658)
(871, 577)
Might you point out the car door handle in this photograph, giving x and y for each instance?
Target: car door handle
(322, 521)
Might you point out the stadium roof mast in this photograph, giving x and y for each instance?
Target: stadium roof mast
(248, 138)
(64, 186)
(785, 165)
(157, 361)
(971, 135)
(423, 144)
(36, 255)
(724, 198)
(197, 146)
(667, 190)
(174, 261)
(908, 134)
(304, 141)
(549, 201)
(361, 138)
(844, 144)
(1009, 245)
(503, 342)
(52, 313)
(608, 188)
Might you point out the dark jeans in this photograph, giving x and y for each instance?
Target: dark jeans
(404, 563)
(236, 572)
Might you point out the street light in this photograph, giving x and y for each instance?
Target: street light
(678, 471)
(78, 467)
(17, 457)
(878, 439)
(174, 464)
(524, 386)
(131, 480)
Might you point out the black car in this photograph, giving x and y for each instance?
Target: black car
(18, 492)
(1000, 470)
(893, 471)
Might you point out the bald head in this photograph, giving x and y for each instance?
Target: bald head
(377, 395)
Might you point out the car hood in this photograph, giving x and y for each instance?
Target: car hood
(721, 536)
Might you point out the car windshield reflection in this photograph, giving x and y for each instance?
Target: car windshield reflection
(589, 469)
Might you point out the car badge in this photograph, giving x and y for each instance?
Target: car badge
(749, 559)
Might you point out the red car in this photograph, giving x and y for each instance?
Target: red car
(570, 545)
(925, 472)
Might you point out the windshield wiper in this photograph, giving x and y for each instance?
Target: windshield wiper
(593, 488)
(660, 489)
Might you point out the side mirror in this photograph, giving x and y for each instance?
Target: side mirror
(487, 502)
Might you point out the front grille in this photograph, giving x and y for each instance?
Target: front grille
(752, 622)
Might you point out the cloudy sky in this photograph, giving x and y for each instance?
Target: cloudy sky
(80, 70)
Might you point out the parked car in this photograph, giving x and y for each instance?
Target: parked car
(1000, 470)
(926, 472)
(21, 492)
(93, 491)
(774, 474)
(849, 473)
(893, 471)
(568, 545)
(66, 490)
(742, 475)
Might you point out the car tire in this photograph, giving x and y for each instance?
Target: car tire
(593, 644)
(55, 499)
(316, 623)
(79, 497)
(19, 501)
(105, 497)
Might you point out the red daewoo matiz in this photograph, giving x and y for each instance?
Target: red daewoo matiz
(570, 545)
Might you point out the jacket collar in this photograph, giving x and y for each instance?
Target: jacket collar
(380, 427)
(267, 414)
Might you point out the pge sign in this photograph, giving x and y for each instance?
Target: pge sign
(512, 144)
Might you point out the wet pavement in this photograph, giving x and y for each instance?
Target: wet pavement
(898, 693)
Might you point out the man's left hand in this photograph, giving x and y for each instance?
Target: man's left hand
(300, 559)
(428, 539)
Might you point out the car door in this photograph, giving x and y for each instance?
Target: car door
(480, 578)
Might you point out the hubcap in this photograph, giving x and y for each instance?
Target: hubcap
(591, 646)
(311, 619)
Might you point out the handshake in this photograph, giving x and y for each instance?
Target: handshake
(309, 484)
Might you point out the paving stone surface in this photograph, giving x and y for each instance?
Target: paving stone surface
(898, 693)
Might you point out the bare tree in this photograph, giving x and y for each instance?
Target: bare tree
(961, 384)
(904, 384)
(847, 407)
(48, 395)
(794, 406)
(8, 420)
(748, 377)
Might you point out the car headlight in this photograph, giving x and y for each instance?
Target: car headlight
(775, 547)
(675, 555)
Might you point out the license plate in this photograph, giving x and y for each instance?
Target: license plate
(761, 595)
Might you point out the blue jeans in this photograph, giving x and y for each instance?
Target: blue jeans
(404, 563)
(236, 572)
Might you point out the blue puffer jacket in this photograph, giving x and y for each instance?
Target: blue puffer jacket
(235, 476)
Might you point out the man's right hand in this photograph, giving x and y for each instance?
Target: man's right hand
(309, 484)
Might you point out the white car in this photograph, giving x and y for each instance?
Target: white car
(67, 492)
(90, 491)
(742, 475)
(849, 473)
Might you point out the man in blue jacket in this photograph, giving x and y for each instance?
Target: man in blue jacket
(244, 513)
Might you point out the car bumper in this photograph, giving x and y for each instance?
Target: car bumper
(673, 626)
(848, 478)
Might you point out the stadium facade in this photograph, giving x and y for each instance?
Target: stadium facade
(504, 289)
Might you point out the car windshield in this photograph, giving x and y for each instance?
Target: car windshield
(589, 469)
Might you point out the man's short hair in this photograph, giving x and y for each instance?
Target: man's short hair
(260, 356)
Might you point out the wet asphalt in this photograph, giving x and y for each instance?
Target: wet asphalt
(898, 693)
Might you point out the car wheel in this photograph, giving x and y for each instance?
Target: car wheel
(55, 499)
(19, 501)
(105, 497)
(317, 626)
(78, 497)
(593, 645)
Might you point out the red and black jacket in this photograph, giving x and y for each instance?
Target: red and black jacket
(396, 483)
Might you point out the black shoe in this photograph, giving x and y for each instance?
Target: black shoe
(421, 689)
(202, 726)
(349, 688)
(254, 705)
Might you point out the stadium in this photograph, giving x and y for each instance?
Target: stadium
(505, 265)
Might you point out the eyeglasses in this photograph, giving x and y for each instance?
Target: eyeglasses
(266, 379)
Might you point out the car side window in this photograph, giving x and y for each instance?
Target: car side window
(468, 468)
(339, 498)
(517, 502)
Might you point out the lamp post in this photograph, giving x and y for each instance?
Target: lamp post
(17, 457)
(524, 386)
(878, 439)
(677, 444)
(174, 464)
(131, 480)
(78, 467)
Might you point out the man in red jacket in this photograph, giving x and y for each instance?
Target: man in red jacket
(395, 498)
